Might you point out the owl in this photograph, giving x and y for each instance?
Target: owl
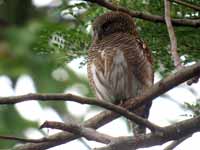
(119, 63)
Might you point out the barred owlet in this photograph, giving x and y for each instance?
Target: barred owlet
(120, 64)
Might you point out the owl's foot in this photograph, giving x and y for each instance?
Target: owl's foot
(138, 130)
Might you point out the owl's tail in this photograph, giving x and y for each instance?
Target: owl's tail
(142, 112)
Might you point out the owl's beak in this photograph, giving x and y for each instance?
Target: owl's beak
(97, 34)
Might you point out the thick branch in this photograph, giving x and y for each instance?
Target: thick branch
(70, 97)
(172, 132)
(187, 4)
(164, 85)
(107, 116)
(149, 17)
(88, 133)
(172, 36)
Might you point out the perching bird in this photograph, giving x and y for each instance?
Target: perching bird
(119, 63)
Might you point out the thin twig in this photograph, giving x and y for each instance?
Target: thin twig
(24, 140)
(173, 41)
(147, 16)
(88, 133)
(176, 143)
(172, 36)
(187, 4)
(107, 116)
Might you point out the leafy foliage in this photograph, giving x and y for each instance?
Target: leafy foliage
(195, 108)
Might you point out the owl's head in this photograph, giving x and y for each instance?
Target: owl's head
(113, 22)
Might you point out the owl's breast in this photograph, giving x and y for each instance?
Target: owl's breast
(112, 76)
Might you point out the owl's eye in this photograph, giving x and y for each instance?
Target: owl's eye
(106, 28)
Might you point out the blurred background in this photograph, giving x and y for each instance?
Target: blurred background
(43, 48)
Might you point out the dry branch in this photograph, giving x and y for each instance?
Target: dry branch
(74, 98)
(187, 4)
(176, 143)
(164, 85)
(107, 116)
(145, 16)
(88, 133)
(173, 42)
(172, 36)
(24, 140)
(172, 132)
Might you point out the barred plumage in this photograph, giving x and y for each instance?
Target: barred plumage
(120, 64)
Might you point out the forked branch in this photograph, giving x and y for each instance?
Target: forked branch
(107, 116)
(187, 4)
(147, 16)
(172, 36)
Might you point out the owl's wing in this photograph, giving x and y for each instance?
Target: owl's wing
(101, 71)
(140, 60)
(106, 55)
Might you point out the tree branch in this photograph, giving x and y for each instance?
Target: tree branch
(173, 41)
(103, 118)
(172, 36)
(172, 132)
(176, 143)
(187, 4)
(164, 85)
(88, 133)
(148, 17)
(3, 137)
(70, 97)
